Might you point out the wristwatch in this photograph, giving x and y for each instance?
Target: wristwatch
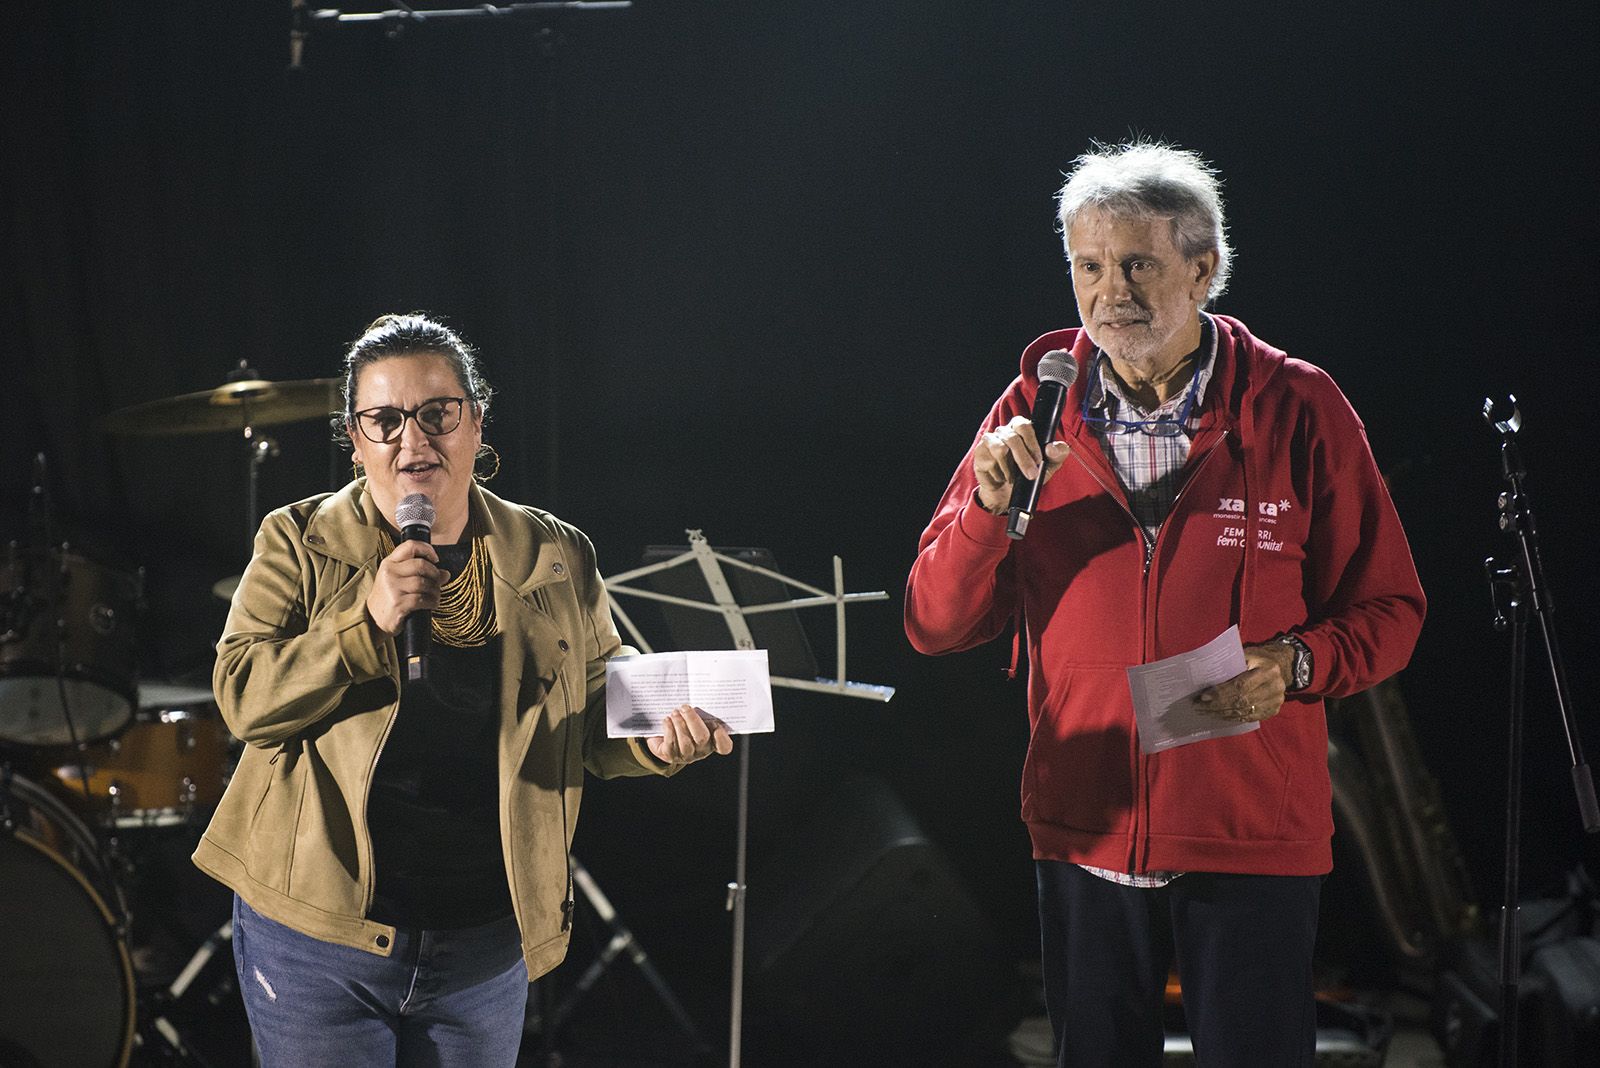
(1302, 662)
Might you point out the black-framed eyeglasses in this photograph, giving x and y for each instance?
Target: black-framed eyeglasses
(1165, 427)
(384, 425)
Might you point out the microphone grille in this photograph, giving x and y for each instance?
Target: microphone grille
(414, 510)
(1058, 366)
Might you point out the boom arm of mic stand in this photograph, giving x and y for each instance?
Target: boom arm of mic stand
(404, 15)
(302, 18)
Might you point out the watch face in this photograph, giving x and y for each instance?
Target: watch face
(1302, 666)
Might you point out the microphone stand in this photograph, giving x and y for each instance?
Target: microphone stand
(1513, 585)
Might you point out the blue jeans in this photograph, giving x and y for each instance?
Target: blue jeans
(1243, 945)
(440, 998)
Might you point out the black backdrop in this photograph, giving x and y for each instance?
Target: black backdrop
(760, 268)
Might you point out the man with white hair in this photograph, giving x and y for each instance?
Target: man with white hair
(1200, 479)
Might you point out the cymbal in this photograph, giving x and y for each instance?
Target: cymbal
(163, 694)
(223, 588)
(251, 402)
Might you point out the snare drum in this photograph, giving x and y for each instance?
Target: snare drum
(168, 769)
(68, 984)
(66, 648)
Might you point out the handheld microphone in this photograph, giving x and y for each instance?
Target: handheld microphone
(1057, 370)
(414, 515)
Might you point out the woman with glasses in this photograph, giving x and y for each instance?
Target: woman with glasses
(397, 849)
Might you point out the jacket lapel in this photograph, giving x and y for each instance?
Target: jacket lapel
(345, 527)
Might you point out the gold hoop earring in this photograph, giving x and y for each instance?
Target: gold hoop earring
(486, 450)
(356, 470)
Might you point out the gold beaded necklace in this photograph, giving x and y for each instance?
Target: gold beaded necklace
(465, 617)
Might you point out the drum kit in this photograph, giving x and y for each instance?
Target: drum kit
(102, 773)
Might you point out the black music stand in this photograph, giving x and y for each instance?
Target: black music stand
(755, 612)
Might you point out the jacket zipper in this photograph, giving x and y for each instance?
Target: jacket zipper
(1140, 831)
(1144, 539)
(1144, 596)
(568, 900)
(569, 895)
(366, 791)
(1149, 554)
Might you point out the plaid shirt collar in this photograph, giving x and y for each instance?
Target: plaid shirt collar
(1149, 468)
(1109, 399)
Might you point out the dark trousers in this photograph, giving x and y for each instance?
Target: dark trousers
(1243, 945)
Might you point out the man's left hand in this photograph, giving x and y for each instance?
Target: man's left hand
(1258, 693)
(689, 734)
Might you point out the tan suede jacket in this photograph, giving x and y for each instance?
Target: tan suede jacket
(312, 686)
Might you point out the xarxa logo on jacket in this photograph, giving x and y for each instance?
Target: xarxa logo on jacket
(1231, 511)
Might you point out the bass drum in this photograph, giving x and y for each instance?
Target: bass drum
(67, 657)
(66, 983)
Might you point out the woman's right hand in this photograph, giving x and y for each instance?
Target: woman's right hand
(408, 581)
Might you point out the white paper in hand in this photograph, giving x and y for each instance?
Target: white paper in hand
(1163, 694)
(733, 685)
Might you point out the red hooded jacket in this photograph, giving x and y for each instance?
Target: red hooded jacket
(1283, 525)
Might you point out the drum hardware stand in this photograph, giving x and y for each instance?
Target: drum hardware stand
(259, 448)
(220, 941)
(18, 607)
(622, 941)
(723, 602)
(8, 822)
(1514, 584)
(39, 505)
(106, 845)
